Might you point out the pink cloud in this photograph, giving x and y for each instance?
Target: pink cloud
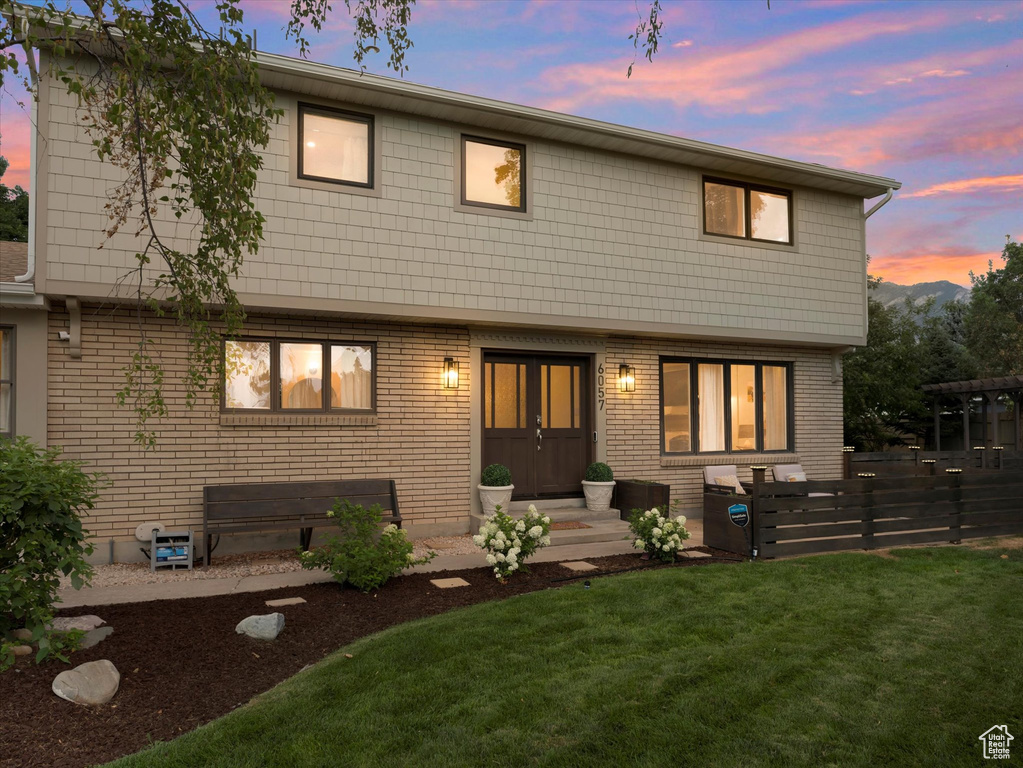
(926, 265)
(728, 76)
(969, 186)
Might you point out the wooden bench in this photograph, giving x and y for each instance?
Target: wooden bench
(274, 506)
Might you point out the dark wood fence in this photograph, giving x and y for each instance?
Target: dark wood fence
(914, 462)
(876, 512)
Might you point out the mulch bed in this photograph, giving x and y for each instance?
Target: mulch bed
(183, 665)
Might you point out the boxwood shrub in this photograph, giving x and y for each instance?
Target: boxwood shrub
(496, 475)
(599, 472)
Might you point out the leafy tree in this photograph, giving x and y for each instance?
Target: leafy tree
(13, 209)
(882, 395)
(993, 320)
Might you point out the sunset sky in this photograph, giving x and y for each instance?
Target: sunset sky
(929, 93)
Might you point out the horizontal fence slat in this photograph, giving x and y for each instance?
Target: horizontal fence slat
(811, 531)
(984, 531)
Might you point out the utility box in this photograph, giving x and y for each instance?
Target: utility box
(173, 550)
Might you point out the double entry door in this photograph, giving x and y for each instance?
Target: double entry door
(538, 421)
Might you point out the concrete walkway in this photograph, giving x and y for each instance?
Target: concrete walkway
(175, 590)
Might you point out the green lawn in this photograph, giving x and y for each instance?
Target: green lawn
(843, 660)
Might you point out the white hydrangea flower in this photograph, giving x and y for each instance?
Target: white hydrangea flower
(520, 526)
(532, 509)
(545, 541)
(491, 560)
(639, 544)
(536, 531)
(500, 557)
(657, 531)
(666, 548)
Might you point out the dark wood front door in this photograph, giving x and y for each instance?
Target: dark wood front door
(537, 421)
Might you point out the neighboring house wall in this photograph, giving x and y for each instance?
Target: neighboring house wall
(420, 436)
(30, 371)
(611, 242)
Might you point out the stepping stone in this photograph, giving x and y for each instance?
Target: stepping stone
(265, 627)
(579, 565)
(692, 553)
(84, 623)
(96, 636)
(95, 682)
(285, 601)
(449, 583)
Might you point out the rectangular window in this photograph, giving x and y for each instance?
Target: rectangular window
(288, 376)
(335, 146)
(712, 406)
(493, 174)
(747, 211)
(7, 382)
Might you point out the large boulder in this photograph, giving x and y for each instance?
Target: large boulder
(92, 683)
(265, 627)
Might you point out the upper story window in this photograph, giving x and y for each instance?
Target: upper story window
(748, 211)
(493, 174)
(6, 382)
(335, 146)
(716, 406)
(289, 376)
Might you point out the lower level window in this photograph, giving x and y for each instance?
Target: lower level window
(297, 376)
(713, 406)
(6, 382)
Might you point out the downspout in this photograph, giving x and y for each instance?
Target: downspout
(876, 208)
(30, 267)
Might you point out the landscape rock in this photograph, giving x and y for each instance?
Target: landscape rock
(22, 634)
(92, 683)
(21, 650)
(96, 636)
(84, 623)
(265, 627)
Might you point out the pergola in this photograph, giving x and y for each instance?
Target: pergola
(990, 390)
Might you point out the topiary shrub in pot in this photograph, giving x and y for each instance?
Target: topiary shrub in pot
(598, 487)
(495, 488)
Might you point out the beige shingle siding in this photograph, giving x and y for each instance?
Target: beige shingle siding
(611, 239)
(420, 438)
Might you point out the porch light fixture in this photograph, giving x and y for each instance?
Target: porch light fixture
(450, 373)
(626, 378)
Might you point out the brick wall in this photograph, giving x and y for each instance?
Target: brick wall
(420, 436)
(633, 419)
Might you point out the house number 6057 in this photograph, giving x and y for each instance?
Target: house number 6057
(600, 385)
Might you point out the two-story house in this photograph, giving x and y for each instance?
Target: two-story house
(449, 281)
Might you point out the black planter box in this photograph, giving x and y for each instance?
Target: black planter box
(633, 494)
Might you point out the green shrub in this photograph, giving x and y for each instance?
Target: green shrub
(599, 472)
(41, 536)
(509, 542)
(496, 475)
(657, 533)
(362, 555)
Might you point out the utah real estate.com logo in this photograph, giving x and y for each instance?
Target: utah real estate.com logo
(996, 742)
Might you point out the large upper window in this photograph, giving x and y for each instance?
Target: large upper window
(714, 406)
(335, 146)
(293, 376)
(748, 211)
(6, 382)
(493, 174)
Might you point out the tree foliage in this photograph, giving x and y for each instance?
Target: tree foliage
(993, 320)
(13, 209)
(884, 405)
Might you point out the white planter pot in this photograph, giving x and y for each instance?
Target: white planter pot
(598, 495)
(492, 495)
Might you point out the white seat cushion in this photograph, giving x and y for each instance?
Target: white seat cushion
(782, 471)
(721, 470)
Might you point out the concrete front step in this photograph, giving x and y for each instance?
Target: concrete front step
(559, 515)
(599, 531)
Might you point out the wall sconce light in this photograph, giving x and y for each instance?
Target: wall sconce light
(626, 378)
(450, 373)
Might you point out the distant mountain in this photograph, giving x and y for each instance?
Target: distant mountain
(942, 291)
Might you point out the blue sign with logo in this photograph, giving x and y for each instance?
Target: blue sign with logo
(739, 514)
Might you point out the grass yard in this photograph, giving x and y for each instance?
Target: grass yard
(842, 660)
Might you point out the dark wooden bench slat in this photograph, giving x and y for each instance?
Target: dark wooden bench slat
(287, 507)
(295, 490)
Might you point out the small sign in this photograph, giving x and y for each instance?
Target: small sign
(739, 514)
